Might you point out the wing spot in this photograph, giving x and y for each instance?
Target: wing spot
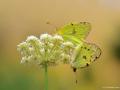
(84, 57)
(85, 47)
(72, 24)
(96, 57)
(87, 64)
(91, 56)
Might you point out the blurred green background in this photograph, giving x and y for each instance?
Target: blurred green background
(20, 18)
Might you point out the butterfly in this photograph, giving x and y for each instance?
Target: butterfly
(85, 53)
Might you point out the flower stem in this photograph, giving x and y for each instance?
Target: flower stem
(46, 77)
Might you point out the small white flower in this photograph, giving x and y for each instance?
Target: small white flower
(30, 58)
(33, 41)
(42, 50)
(65, 58)
(68, 44)
(58, 37)
(51, 45)
(31, 38)
(45, 37)
(21, 46)
(31, 49)
(24, 59)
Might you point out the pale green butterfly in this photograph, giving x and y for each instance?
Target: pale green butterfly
(76, 33)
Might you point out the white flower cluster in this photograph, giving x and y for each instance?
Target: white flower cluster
(49, 50)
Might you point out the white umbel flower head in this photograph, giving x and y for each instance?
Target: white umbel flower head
(46, 50)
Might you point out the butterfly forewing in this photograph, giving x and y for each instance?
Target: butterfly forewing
(75, 30)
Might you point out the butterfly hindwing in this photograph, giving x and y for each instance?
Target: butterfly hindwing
(87, 54)
(75, 31)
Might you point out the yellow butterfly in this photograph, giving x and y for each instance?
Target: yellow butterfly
(85, 53)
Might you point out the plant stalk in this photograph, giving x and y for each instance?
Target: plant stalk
(46, 77)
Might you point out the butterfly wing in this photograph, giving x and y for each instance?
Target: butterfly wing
(75, 31)
(85, 55)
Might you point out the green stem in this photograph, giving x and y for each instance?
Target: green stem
(46, 77)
